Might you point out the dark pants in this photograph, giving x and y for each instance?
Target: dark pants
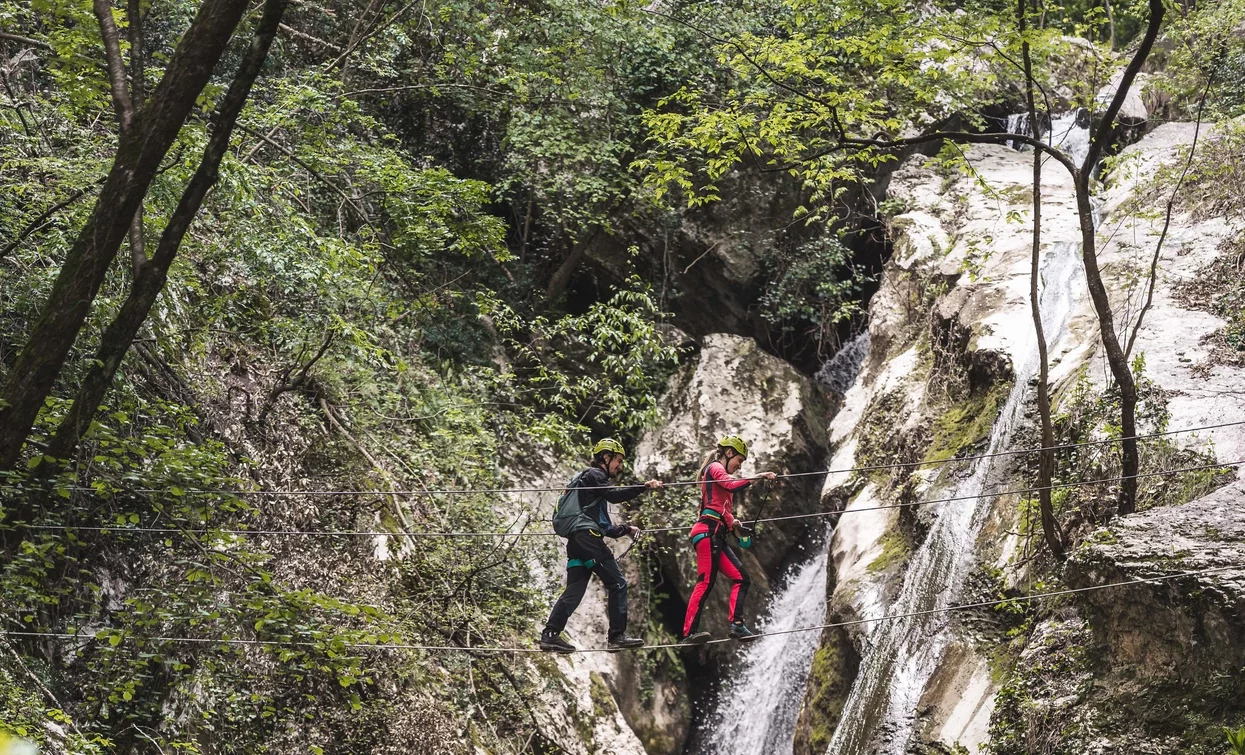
(588, 546)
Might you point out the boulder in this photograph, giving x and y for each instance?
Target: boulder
(1183, 629)
(1133, 112)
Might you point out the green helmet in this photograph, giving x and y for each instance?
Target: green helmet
(734, 442)
(608, 444)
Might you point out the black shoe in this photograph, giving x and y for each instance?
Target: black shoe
(741, 632)
(623, 642)
(554, 643)
(695, 638)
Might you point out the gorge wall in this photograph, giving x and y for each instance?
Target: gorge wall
(949, 337)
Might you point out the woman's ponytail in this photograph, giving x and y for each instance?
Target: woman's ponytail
(712, 456)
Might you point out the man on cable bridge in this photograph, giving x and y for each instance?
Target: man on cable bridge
(582, 517)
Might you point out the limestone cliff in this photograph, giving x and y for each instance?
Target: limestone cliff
(950, 328)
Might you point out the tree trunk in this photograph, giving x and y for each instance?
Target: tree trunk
(1046, 457)
(139, 153)
(562, 276)
(1110, 24)
(150, 278)
(138, 72)
(1117, 360)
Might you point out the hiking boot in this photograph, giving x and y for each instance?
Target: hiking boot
(553, 643)
(623, 642)
(696, 638)
(741, 632)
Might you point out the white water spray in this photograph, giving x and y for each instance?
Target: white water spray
(760, 704)
(840, 372)
(902, 655)
(1069, 132)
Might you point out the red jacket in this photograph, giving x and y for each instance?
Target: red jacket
(720, 493)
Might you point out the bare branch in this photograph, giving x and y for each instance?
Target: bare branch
(1046, 459)
(285, 384)
(305, 36)
(39, 222)
(417, 87)
(25, 40)
(399, 511)
(966, 137)
(376, 29)
(1167, 220)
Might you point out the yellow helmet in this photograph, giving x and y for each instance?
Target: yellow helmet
(734, 442)
(608, 444)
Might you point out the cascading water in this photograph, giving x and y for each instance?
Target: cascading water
(902, 653)
(1068, 132)
(840, 372)
(759, 705)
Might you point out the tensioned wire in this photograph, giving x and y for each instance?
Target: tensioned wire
(479, 491)
(105, 636)
(816, 514)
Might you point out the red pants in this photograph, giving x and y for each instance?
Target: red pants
(714, 555)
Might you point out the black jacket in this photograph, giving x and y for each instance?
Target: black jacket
(595, 506)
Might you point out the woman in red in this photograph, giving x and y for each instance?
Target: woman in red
(709, 538)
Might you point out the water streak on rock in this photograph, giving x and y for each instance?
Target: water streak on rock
(903, 654)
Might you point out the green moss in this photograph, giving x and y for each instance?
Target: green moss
(964, 425)
(602, 701)
(1103, 537)
(1018, 195)
(895, 549)
(829, 682)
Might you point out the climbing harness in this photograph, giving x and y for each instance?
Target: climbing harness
(589, 563)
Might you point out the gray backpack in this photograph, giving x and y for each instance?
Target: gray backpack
(569, 512)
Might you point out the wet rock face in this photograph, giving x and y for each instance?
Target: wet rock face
(735, 388)
(1184, 629)
(952, 334)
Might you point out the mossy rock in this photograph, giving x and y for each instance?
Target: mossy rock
(602, 701)
(895, 550)
(964, 425)
(830, 679)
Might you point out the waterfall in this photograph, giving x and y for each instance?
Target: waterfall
(902, 654)
(758, 706)
(1018, 123)
(840, 372)
(1068, 132)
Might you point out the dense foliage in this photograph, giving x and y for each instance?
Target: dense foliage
(437, 256)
